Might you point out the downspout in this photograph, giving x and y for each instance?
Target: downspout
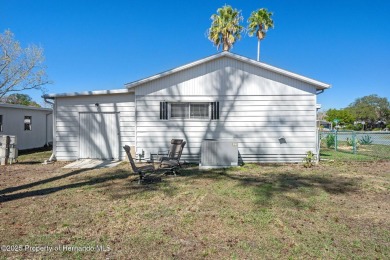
(318, 146)
(53, 155)
(47, 138)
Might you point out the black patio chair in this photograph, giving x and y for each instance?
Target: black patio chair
(172, 160)
(142, 171)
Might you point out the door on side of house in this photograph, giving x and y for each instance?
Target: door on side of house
(99, 136)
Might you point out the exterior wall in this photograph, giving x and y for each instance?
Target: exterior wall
(67, 121)
(13, 124)
(257, 107)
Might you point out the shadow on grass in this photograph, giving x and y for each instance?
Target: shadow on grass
(104, 181)
(119, 174)
(29, 162)
(267, 186)
(35, 150)
(40, 182)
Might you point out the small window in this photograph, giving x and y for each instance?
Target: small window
(187, 110)
(199, 110)
(179, 110)
(27, 123)
(1, 123)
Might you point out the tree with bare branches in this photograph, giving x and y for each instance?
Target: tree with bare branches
(20, 68)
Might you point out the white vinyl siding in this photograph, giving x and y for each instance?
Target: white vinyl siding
(256, 107)
(68, 110)
(225, 76)
(13, 124)
(257, 127)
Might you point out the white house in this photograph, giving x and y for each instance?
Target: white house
(32, 126)
(270, 112)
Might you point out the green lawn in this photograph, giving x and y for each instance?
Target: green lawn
(372, 152)
(338, 209)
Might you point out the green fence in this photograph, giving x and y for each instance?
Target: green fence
(370, 144)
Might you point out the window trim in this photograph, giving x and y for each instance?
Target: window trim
(1, 123)
(24, 123)
(189, 111)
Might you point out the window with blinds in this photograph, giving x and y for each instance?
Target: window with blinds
(189, 110)
(199, 110)
(180, 110)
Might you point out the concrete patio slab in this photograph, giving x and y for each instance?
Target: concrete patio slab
(92, 163)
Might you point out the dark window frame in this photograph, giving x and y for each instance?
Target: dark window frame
(27, 126)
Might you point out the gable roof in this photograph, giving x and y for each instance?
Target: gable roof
(319, 85)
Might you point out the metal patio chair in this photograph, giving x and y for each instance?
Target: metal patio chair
(142, 171)
(172, 160)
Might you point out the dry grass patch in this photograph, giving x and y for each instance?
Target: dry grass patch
(334, 210)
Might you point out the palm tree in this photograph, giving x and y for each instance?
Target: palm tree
(259, 22)
(225, 27)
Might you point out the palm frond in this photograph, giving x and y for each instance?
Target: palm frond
(225, 27)
(259, 23)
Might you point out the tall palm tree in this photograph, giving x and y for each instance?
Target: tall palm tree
(259, 22)
(225, 27)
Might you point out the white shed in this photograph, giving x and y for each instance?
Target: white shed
(32, 126)
(269, 111)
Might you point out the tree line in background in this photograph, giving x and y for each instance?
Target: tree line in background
(366, 113)
(19, 99)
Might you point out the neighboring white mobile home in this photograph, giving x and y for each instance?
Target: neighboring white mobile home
(270, 112)
(32, 126)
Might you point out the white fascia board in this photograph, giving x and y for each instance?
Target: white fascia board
(319, 85)
(89, 93)
(25, 107)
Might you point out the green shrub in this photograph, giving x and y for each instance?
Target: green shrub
(330, 139)
(357, 127)
(365, 140)
(350, 141)
(308, 161)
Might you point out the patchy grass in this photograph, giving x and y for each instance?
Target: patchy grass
(346, 156)
(370, 152)
(36, 156)
(334, 210)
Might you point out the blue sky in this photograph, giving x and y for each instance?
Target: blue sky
(94, 45)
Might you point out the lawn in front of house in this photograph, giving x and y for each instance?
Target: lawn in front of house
(335, 210)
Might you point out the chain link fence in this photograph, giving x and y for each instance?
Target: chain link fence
(370, 144)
